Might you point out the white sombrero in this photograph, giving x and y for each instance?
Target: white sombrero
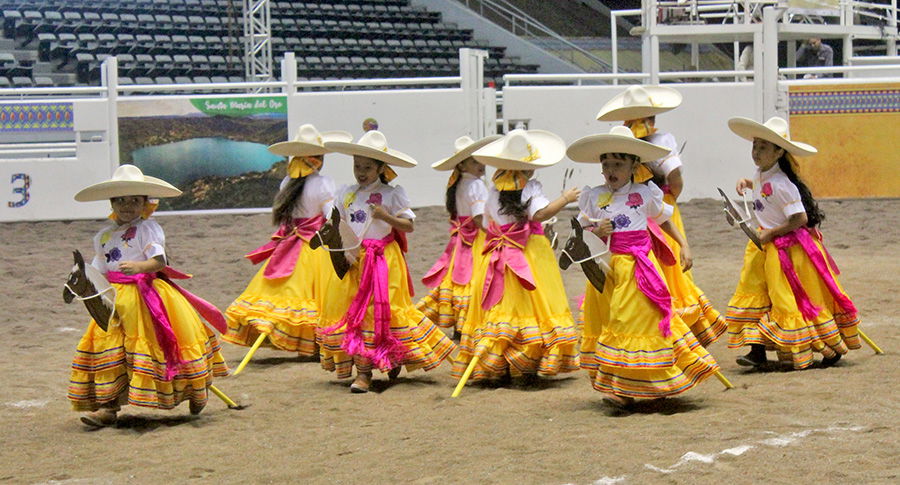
(774, 130)
(309, 142)
(464, 147)
(372, 144)
(640, 102)
(128, 180)
(523, 150)
(620, 139)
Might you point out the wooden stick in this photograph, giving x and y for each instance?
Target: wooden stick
(250, 353)
(465, 376)
(724, 380)
(869, 341)
(221, 395)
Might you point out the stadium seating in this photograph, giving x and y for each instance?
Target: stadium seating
(199, 39)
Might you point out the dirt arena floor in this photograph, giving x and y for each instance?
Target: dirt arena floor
(301, 425)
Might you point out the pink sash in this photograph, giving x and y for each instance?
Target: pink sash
(284, 248)
(658, 244)
(506, 244)
(373, 286)
(165, 336)
(463, 232)
(802, 237)
(651, 284)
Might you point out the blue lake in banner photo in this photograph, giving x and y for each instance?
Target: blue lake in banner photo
(183, 162)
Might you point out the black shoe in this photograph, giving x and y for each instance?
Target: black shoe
(830, 361)
(756, 357)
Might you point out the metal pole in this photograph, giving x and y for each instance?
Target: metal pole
(109, 77)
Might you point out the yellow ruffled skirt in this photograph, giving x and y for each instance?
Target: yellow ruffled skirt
(623, 349)
(447, 305)
(763, 309)
(426, 344)
(285, 309)
(526, 332)
(126, 365)
(689, 301)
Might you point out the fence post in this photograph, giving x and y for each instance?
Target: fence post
(471, 73)
(109, 77)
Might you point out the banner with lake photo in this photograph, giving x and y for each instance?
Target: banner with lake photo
(213, 148)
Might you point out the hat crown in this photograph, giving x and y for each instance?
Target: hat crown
(128, 173)
(462, 143)
(517, 146)
(308, 134)
(637, 96)
(779, 126)
(621, 130)
(374, 139)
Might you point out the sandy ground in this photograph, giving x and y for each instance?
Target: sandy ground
(301, 425)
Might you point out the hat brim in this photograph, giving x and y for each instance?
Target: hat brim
(303, 149)
(589, 148)
(151, 187)
(390, 157)
(666, 99)
(551, 150)
(451, 162)
(749, 129)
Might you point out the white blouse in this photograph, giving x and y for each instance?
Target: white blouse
(532, 194)
(471, 196)
(353, 202)
(775, 198)
(664, 166)
(317, 197)
(138, 240)
(627, 208)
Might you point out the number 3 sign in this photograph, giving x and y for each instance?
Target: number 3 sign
(21, 190)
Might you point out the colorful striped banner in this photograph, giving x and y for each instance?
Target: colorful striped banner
(844, 101)
(33, 117)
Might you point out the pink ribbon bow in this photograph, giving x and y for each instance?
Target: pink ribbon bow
(506, 246)
(373, 285)
(651, 284)
(802, 237)
(284, 248)
(165, 336)
(463, 232)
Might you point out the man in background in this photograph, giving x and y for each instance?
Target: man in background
(813, 53)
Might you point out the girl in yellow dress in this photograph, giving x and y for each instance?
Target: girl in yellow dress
(450, 278)
(283, 301)
(520, 324)
(637, 107)
(156, 352)
(370, 320)
(789, 298)
(634, 344)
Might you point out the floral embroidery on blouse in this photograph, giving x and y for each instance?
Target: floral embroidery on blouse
(129, 234)
(635, 200)
(766, 190)
(358, 216)
(114, 255)
(621, 221)
(604, 199)
(758, 205)
(374, 198)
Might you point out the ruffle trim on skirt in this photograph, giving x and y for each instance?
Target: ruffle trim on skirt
(427, 346)
(106, 376)
(691, 365)
(290, 326)
(521, 346)
(447, 307)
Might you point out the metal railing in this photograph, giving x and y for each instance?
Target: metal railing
(520, 23)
